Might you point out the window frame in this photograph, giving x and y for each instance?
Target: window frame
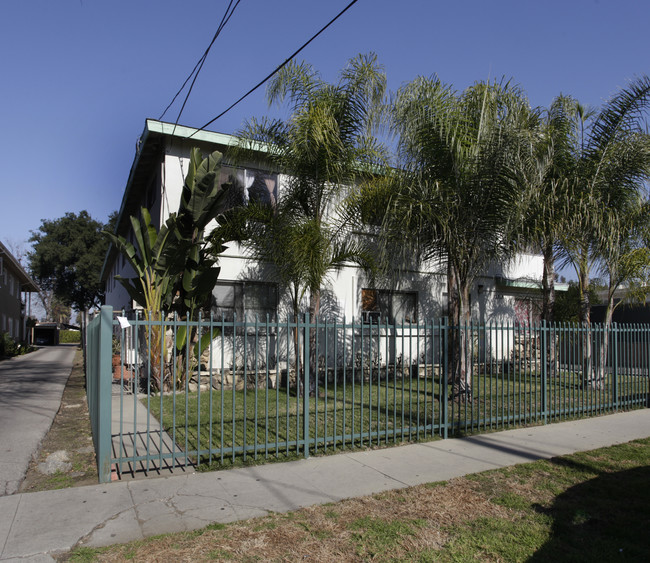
(377, 316)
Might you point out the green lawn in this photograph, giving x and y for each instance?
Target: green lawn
(257, 424)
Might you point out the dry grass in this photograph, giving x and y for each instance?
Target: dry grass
(590, 506)
(327, 533)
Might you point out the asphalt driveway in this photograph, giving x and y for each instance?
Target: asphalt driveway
(31, 387)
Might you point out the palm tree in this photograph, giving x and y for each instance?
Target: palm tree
(324, 149)
(544, 164)
(612, 162)
(457, 200)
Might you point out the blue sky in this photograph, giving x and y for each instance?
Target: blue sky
(79, 77)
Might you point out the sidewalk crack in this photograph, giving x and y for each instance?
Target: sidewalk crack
(380, 472)
(11, 527)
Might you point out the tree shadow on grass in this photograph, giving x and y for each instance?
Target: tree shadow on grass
(604, 519)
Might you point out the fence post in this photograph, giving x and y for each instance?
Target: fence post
(614, 333)
(444, 373)
(544, 362)
(103, 415)
(305, 388)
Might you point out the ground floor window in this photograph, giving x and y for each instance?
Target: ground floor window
(394, 307)
(246, 299)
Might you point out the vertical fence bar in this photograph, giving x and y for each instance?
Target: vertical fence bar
(256, 379)
(103, 403)
(211, 388)
(345, 381)
(306, 385)
(444, 400)
(544, 373)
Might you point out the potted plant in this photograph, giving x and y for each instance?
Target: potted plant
(117, 359)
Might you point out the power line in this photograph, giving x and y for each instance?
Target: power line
(278, 68)
(199, 65)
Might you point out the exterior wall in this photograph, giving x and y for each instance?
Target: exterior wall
(116, 296)
(12, 313)
(10, 304)
(492, 300)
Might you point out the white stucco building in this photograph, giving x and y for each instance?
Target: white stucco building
(505, 293)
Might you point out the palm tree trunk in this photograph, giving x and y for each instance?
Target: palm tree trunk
(296, 342)
(548, 284)
(460, 377)
(314, 311)
(585, 319)
(548, 306)
(598, 382)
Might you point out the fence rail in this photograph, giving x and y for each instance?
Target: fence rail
(251, 390)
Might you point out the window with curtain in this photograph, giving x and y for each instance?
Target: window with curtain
(394, 307)
(248, 299)
(249, 184)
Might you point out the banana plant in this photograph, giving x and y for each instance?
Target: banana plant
(173, 270)
(152, 286)
(202, 201)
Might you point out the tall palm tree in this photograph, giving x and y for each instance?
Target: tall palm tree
(612, 163)
(544, 164)
(324, 149)
(457, 200)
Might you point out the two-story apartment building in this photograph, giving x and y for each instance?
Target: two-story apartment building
(15, 284)
(505, 293)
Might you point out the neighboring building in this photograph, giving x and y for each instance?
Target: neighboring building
(503, 294)
(15, 287)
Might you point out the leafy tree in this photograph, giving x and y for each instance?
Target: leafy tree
(568, 303)
(67, 258)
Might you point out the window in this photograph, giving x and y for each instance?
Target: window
(245, 299)
(249, 184)
(394, 307)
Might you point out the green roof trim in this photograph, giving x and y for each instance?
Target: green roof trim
(199, 135)
(527, 284)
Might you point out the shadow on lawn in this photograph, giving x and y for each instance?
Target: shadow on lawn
(604, 519)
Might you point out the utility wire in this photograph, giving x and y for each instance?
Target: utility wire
(199, 65)
(278, 68)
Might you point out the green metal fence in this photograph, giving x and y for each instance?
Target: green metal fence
(248, 390)
(97, 359)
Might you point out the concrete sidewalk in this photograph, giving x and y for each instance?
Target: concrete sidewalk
(33, 525)
(31, 387)
(137, 432)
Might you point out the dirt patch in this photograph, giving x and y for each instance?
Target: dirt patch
(66, 457)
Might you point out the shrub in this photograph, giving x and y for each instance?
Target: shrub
(8, 347)
(69, 336)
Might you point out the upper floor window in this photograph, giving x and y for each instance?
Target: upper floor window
(394, 307)
(249, 184)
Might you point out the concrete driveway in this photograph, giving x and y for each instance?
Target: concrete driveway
(31, 387)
